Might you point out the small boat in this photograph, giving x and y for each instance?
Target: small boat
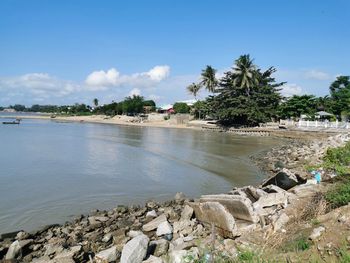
(17, 121)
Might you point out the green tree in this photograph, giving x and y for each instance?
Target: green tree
(209, 80)
(181, 107)
(246, 95)
(296, 105)
(194, 89)
(340, 94)
(133, 105)
(95, 101)
(245, 74)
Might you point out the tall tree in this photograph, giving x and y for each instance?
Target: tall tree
(209, 80)
(95, 101)
(194, 89)
(245, 74)
(340, 94)
(246, 95)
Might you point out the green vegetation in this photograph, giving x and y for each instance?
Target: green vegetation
(181, 107)
(301, 243)
(247, 96)
(340, 194)
(338, 159)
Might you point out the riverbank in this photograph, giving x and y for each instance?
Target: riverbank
(291, 133)
(244, 219)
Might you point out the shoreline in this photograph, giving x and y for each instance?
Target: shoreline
(135, 217)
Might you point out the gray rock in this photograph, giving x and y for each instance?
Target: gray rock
(153, 259)
(164, 228)
(133, 233)
(107, 237)
(151, 213)
(14, 251)
(161, 247)
(280, 222)
(16, 247)
(67, 255)
(186, 213)
(179, 196)
(177, 256)
(316, 233)
(135, 250)
(154, 223)
(108, 255)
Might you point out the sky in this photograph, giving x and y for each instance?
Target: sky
(65, 52)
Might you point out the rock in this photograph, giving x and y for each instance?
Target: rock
(179, 196)
(273, 189)
(154, 223)
(284, 179)
(67, 255)
(135, 250)
(316, 233)
(22, 235)
(133, 233)
(177, 256)
(108, 255)
(240, 207)
(217, 214)
(16, 248)
(107, 237)
(271, 200)
(179, 226)
(151, 204)
(152, 213)
(160, 247)
(14, 251)
(280, 222)
(153, 259)
(164, 229)
(186, 213)
(9, 235)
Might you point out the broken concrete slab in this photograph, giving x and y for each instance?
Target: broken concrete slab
(217, 214)
(271, 200)
(240, 207)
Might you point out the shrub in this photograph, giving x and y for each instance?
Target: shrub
(339, 195)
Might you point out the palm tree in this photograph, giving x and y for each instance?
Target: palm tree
(209, 80)
(194, 89)
(95, 102)
(245, 73)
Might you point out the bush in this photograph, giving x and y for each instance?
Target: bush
(181, 107)
(339, 195)
(338, 159)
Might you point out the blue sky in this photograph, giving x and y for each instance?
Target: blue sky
(73, 51)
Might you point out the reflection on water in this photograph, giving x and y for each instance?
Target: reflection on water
(50, 171)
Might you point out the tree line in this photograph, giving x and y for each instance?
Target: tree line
(248, 95)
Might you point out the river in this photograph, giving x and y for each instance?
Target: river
(51, 171)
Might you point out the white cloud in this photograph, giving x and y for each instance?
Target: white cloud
(41, 85)
(102, 80)
(317, 75)
(135, 92)
(289, 90)
(159, 73)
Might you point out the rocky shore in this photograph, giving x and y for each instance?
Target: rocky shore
(182, 230)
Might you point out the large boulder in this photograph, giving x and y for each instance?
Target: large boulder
(284, 179)
(240, 207)
(271, 200)
(135, 250)
(217, 214)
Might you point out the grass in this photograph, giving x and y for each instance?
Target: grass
(338, 160)
(300, 243)
(340, 194)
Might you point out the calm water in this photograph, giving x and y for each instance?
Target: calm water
(50, 171)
